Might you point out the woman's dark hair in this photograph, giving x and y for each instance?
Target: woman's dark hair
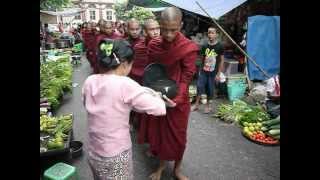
(111, 53)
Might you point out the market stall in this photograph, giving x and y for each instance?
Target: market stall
(255, 122)
(56, 133)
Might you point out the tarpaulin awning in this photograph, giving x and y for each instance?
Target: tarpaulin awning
(156, 9)
(69, 12)
(263, 45)
(215, 8)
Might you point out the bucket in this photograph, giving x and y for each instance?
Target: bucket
(236, 86)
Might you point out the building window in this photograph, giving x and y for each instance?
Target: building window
(92, 15)
(78, 17)
(109, 15)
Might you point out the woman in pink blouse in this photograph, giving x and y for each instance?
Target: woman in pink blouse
(108, 98)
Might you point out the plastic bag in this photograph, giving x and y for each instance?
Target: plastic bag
(273, 86)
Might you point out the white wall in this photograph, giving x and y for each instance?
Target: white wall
(88, 14)
(104, 14)
(97, 8)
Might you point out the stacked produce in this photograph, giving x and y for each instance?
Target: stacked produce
(55, 79)
(272, 127)
(255, 133)
(56, 129)
(254, 121)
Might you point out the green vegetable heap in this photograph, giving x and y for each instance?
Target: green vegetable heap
(241, 112)
(57, 128)
(55, 78)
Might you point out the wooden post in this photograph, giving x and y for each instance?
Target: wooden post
(230, 38)
(246, 73)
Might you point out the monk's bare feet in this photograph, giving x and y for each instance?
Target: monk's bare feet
(149, 153)
(156, 175)
(180, 176)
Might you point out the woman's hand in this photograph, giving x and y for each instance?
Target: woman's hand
(169, 102)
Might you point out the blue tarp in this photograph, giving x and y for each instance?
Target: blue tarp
(263, 46)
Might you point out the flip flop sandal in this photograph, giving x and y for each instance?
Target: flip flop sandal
(207, 110)
(193, 108)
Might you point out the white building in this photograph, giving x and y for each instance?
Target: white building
(94, 10)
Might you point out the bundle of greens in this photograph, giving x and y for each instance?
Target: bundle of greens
(55, 78)
(57, 128)
(232, 112)
(241, 112)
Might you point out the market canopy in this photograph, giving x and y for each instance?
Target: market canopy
(68, 12)
(215, 8)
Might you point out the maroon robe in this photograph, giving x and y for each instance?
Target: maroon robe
(89, 41)
(167, 135)
(140, 61)
(133, 42)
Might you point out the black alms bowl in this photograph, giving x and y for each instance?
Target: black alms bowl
(166, 87)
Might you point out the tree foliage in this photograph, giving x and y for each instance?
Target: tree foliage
(139, 13)
(53, 4)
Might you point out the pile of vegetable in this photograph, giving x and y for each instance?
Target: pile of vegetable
(232, 112)
(254, 121)
(254, 114)
(57, 129)
(272, 127)
(55, 79)
(255, 133)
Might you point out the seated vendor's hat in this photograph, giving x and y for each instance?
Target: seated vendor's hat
(156, 78)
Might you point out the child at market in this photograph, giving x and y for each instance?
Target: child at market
(108, 98)
(213, 59)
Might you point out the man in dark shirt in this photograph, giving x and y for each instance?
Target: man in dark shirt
(212, 55)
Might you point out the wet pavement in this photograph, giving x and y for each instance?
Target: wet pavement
(215, 150)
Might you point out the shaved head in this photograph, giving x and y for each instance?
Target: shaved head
(133, 22)
(133, 28)
(170, 23)
(149, 22)
(171, 14)
(151, 28)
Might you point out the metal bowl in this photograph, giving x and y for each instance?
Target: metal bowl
(167, 87)
(154, 72)
(76, 148)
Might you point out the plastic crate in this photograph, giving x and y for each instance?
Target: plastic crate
(60, 171)
(236, 86)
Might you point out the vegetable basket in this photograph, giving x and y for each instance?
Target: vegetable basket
(260, 143)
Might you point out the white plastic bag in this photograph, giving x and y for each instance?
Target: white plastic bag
(222, 78)
(273, 86)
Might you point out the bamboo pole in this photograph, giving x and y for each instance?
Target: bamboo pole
(230, 38)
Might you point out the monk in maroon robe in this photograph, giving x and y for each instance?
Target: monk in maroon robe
(178, 54)
(151, 30)
(89, 42)
(134, 30)
(134, 37)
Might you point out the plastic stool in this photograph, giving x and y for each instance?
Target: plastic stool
(60, 171)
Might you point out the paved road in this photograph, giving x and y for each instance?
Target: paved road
(215, 150)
